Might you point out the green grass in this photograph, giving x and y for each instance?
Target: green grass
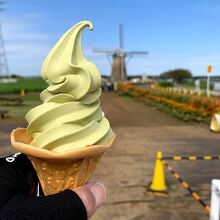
(28, 84)
(18, 112)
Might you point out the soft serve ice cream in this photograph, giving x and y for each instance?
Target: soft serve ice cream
(70, 116)
(67, 134)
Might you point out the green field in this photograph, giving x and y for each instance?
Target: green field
(28, 84)
(32, 88)
(18, 112)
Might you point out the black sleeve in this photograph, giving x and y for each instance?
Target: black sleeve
(65, 205)
(18, 182)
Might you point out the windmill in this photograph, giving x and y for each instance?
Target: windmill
(120, 58)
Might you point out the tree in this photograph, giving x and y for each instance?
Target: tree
(178, 75)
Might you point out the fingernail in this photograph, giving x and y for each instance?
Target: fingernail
(98, 191)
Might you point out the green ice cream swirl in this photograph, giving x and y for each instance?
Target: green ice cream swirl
(70, 116)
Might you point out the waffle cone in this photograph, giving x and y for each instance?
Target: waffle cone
(59, 171)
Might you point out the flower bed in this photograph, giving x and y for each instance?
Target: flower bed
(185, 106)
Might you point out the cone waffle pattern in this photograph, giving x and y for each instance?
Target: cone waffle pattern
(56, 176)
(58, 172)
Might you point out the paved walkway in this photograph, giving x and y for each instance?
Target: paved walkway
(127, 167)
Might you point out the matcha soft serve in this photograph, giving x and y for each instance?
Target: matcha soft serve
(70, 115)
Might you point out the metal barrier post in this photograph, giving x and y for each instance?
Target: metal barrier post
(215, 200)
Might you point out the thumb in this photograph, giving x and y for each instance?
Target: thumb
(92, 195)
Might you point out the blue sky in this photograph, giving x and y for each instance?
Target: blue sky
(176, 33)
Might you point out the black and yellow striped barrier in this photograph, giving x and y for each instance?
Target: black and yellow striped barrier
(186, 186)
(158, 183)
(177, 158)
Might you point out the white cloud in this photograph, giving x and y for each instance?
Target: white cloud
(208, 8)
(26, 51)
(27, 46)
(25, 43)
(23, 29)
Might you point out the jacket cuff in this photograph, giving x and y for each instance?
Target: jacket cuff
(72, 201)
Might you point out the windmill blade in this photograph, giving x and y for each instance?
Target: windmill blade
(109, 59)
(121, 36)
(136, 53)
(130, 54)
(105, 51)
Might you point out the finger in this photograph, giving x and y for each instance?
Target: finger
(98, 190)
(92, 195)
